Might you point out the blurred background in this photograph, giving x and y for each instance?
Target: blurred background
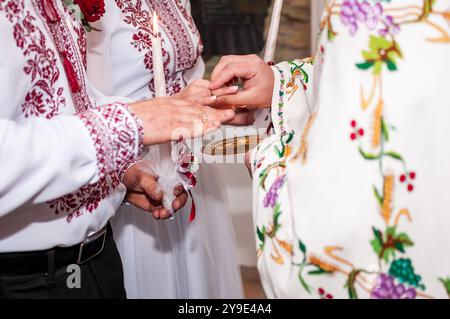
(240, 27)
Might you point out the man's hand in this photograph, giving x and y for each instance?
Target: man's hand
(142, 191)
(256, 75)
(169, 118)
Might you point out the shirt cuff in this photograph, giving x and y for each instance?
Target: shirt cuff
(278, 101)
(117, 135)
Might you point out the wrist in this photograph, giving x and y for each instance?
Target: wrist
(117, 136)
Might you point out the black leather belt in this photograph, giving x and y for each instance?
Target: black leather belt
(35, 262)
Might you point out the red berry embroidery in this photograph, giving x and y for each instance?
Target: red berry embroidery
(361, 132)
(323, 294)
(357, 132)
(408, 177)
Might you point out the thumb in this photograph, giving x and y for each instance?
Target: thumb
(150, 186)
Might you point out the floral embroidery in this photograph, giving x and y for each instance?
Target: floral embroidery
(74, 65)
(45, 99)
(396, 276)
(283, 149)
(185, 52)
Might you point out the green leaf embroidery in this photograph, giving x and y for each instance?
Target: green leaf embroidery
(394, 155)
(377, 242)
(276, 217)
(365, 65)
(318, 271)
(384, 130)
(277, 150)
(261, 234)
(303, 282)
(302, 248)
(378, 196)
(391, 65)
(350, 284)
(446, 283)
(368, 156)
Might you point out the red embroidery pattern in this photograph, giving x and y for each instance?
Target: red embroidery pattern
(44, 99)
(175, 22)
(63, 40)
(81, 41)
(113, 130)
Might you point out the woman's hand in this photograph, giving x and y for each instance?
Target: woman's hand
(257, 76)
(170, 118)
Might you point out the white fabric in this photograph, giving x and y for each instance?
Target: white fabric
(327, 204)
(43, 159)
(173, 258)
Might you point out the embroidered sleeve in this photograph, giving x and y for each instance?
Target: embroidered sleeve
(117, 135)
(293, 96)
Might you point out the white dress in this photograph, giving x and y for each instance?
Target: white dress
(351, 192)
(173, 258)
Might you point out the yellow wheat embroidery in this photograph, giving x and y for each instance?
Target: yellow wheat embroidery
(303, 150)
(403, 212)
(386, 209)
(377, 124)
(322, 264)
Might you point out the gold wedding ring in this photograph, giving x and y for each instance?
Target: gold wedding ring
(204, 118)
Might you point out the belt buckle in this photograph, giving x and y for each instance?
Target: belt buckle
(91, 239)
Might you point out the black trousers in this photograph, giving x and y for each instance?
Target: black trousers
(100, 278)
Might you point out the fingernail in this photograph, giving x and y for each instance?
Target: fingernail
(229, 113)
(213, 98)
(234, 88)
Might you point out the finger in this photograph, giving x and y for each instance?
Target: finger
(178, 190)
(242, 119)
(224, 61)
(218, 115)
(180, 201)
(240, 99)
(150, 186)
(140, 201)
(207, 100)
(230, 71)
(164, 214)
(156, 214)
(226, 90)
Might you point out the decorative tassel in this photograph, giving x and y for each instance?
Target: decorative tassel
(50, 11)
(192, 214)
(71, 74)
